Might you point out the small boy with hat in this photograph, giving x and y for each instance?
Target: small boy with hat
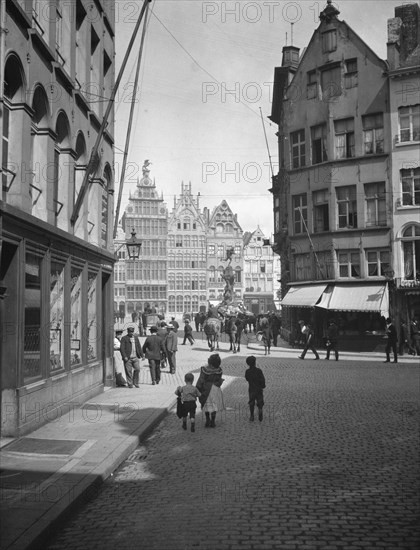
(256, 382)
(188, 395)
(188, 333)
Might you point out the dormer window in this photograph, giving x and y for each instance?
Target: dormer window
(329, 41)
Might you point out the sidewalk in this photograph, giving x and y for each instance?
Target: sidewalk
(64, 462)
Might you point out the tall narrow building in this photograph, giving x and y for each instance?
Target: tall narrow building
(186, 255)
(56, 276)
(146, 278)
(223, 234)
(332, 197)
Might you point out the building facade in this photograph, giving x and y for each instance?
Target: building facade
(403, 77)
(146, 278)
(186, 255)
(223, 234)
(333, 210)
(261, 273)
(56, 251)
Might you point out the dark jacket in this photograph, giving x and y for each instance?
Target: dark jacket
(187, 329)
(208, 376)
(171, 341)
(332, 333)
(255, 378)
(126, 347)
(391, 333)
(153, 346)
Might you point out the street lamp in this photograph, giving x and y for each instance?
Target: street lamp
(133, 246)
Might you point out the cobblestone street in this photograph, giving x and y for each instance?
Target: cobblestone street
(333, 465)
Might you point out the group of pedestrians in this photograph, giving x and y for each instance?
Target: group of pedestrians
(159, 348)
(208, 392)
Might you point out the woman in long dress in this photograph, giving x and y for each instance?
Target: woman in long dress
(120, 376)
(208, 384)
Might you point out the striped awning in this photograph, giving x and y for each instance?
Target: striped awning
(303, 296)
(356, 297)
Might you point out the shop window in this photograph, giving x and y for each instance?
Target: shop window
(56, 316)
(411, 252)
(92, 317)
(319, 143)
(300, 213)
(76, 342)
(410, 184)
(32, 328)
(349, 264)
(409, 123)
(377, 262)
(344, 138)
(321, 211)
(347, 207)
(373, 134)
(297, 146)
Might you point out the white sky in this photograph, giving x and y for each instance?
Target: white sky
(186, 124)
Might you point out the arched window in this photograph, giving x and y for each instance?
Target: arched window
(179, 304)
(13, 129)
(179, 281)
(171, 281)
(171, 303)
(41, 144)
(107, 179)
(411, 252)
(80, 164)
(63, 160)
(212, 274)
(219, 228)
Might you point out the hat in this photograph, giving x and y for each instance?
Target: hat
(130, 329)
(153, 328)
(119, 331)
(170, 326)
(301, 322)
(187, 321)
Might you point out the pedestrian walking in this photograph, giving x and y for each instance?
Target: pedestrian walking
(188, 395)
(391, 344)
(131, 353)
(266, 337)
(153, 348)
(120, 375)
(175, 324)
(171, 347)
(197, 322)
(188, 333)
(332, 340)
(256, 385)
(144, 323)
(308, 333)
(208, 384)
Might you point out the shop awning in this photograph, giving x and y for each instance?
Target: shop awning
(303, 296)
(356, 297)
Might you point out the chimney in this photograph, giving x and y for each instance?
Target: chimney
(403, 36)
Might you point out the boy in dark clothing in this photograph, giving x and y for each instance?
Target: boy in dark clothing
(188, 333)
(256, 382)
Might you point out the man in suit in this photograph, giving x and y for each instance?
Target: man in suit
(171, 346)
(392, 341)
(153, 347)
(131, 353)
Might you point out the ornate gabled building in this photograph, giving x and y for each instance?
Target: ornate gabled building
(332, 197)
(404, 77)
(186, 255)
(56, 276)
(261, 273)
(223, 233)
(146, 278)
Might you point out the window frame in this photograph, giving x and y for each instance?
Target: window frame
(297, 149)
